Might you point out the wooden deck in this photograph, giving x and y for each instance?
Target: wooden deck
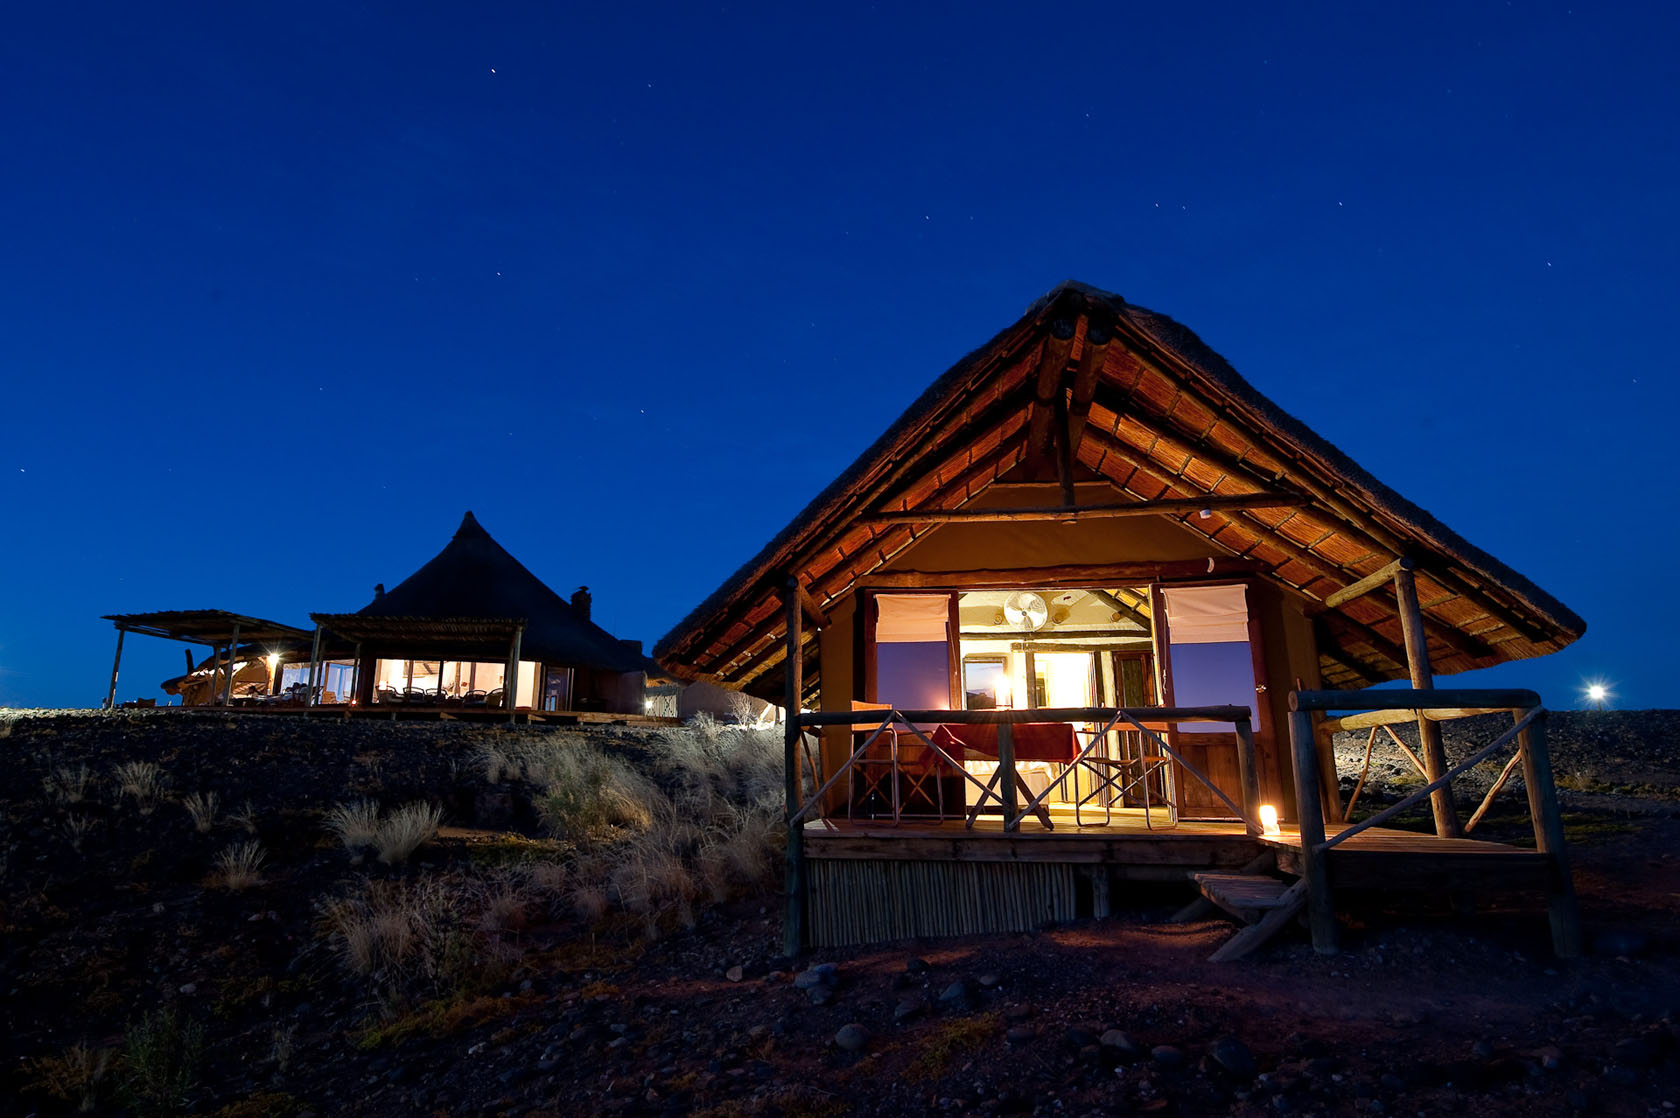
(1126, 845)
(1381, 858)
(1378, 858)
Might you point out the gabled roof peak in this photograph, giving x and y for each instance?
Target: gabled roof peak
(470, 527)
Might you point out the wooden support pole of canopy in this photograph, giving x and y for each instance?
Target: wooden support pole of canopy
(794, 935)
(316, 676)
(232, 651)
(510, 678)
(1447, 823)
(1548, 836)
(111, 693)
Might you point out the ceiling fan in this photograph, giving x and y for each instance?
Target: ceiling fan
(1026, 611)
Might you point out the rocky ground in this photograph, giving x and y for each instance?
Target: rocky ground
(135, 975)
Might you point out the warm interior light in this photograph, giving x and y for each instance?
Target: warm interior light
(273, 659)
(1000, 691)
(1268, 821)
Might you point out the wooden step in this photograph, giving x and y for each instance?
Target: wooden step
(1290, 902)
(1248, 897)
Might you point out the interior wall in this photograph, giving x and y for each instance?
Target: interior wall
(1038, 543)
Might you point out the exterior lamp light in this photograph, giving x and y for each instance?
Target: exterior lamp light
(1269, 821)
(1597, 693)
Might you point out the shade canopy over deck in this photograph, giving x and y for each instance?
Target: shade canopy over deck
(463, 635)
(1088, 387)
(215, 627)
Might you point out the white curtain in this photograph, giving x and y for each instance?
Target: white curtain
(911, 618)
(1206, 614)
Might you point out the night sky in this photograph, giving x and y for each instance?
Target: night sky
(286, 288)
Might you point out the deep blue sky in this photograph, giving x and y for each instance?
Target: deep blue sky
(285, 288)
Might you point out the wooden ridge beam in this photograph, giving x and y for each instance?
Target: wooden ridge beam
(1082, 576)
(1099, 332)
(1175, 507)
(1052, 368)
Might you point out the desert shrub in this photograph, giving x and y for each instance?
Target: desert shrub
(240, 866)
(245, 818)
(78, 1077)
(405, 830)
(354, 825)
(280, 1045)
(161, 1053)
(77, 828)
(65, 785)
(142, 781)
(411, 941)
(588, 791)
(202, 807)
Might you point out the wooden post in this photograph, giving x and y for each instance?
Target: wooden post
(1006, 771)
(362, 693)
(1250, 779)
(510, 678)
(316, 676)
(1548, 836)
(1321, 908)
(1447, 824)
(794, 935)
(233, 650)
(111, 693)
(1327, 774)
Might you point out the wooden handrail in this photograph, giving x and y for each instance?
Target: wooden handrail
(1242, 717)
(1429, 789)
(1043, 714)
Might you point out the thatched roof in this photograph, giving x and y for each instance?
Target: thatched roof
(1158, 414)
(470, 596)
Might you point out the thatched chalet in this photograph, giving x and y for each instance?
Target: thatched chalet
(473, 625)
(472, 632)
(1059, 616)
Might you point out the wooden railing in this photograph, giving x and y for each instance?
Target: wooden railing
(911, 721)
(1383, 708)
(878, 722)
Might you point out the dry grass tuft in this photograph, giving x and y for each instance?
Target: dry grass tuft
(240, 867)
(245, 818)
(202, 806)
(354, 825)
(143, 781)
(77, 1077)
(405, 830)
(66, 785)
(77, 828)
